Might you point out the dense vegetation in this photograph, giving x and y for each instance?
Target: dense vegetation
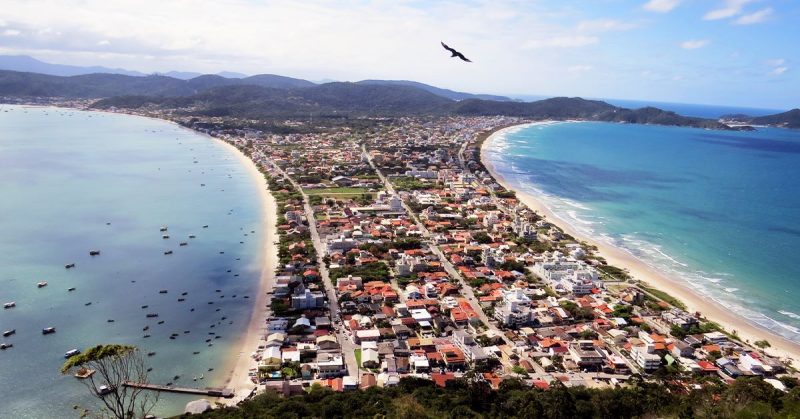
(269, 96)
(418, 399)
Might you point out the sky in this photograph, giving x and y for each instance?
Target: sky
(722, 52)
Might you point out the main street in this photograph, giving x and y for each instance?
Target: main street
(348, 348)
(466, 289)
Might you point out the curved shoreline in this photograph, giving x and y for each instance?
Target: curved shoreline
(712, 310)
(239, 380)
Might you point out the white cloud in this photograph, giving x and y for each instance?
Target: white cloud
(777, 71)
(604, 25)
(11, 32)
(104, 42)
(580, 68)
(694, 43)
(730, 8)
(756, 17)
(561, 42)
(661, 6)
(778, 67)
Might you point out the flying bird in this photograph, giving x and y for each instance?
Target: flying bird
(455, 53)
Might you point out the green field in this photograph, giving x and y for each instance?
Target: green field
(331, 191)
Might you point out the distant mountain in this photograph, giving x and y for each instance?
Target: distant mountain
(790, 119)
(331, 99)
(100, 85)
(450, 94)
(269, 96)
(28, 64)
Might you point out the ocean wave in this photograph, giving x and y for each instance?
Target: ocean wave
(790, 314)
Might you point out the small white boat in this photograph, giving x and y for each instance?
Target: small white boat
(72, 352)
(8, 333)
(11, 304)
(104, 389)
(41, 284)
(48, 330)
(163, 228)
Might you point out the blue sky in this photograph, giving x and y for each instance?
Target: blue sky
(725, 52)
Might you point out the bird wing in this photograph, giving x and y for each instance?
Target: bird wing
(460, 55)
(447, 48)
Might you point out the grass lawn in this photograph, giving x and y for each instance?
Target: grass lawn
(358, 357)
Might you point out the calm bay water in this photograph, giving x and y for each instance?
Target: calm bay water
(719, 210)
(63, 176)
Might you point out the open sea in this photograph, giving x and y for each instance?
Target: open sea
(73, 181)
(719, 210)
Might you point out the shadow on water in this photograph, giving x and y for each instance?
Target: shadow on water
(587, 182)
(749, 143)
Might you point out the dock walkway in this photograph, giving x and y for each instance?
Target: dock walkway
(208, 391)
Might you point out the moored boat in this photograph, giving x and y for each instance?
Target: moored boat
(41, 284)
(8, 333)
(72, 352)
(69, 265)
(10, 304)
(94, 252)
(48, 330)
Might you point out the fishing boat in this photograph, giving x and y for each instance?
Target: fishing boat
(70, 289)
(151, 354)
(183, 244)
(94, 252)
(8, 333)
(162, 291)
(168, 252)
(163, 228)
(5, 346)
(165, 236)
(191, 236)
(41, 284)
(48, 330)
(69, 265)
(152, 314)
(104, 389)
(11, 304)
(71, 353)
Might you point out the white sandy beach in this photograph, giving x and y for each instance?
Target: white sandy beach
(781, 347)
(240, 363)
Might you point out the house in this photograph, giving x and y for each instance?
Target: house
(330, 364)
(370, 358)
(327, 343)
(586, 355)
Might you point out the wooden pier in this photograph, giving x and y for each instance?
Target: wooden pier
(208, 391)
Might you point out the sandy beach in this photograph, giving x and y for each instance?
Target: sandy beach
(781, 347)
(240, 363)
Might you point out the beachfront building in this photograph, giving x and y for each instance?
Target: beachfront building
(304, 299)
(586, 355)
(330, 364)
(567, 275)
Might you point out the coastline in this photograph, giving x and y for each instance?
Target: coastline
(711, 310)
(239, 364)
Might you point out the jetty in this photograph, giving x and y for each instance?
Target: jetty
(207, 391)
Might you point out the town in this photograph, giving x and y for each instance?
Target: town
(400, 255)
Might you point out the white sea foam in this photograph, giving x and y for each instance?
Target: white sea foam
(789, 314)
(709, 286)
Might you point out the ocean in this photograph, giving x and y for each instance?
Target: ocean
(74, 181)
(718, 210)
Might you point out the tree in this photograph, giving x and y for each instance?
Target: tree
(113, 366)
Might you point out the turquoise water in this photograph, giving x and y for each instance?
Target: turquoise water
(718, 210)
(63, 176)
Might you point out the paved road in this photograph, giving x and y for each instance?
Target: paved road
(466, 289)
(333, 301)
